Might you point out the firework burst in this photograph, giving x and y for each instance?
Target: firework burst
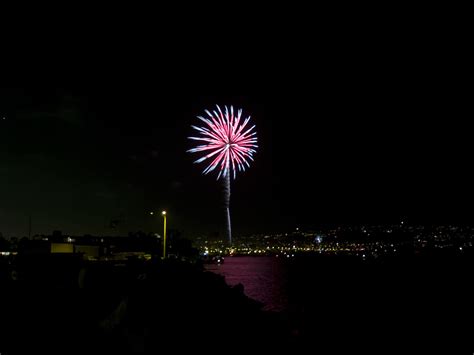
(229, 141)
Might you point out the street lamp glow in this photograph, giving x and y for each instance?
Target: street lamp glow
(152, 213)
(164, 234)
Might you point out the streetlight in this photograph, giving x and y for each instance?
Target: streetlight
(164, 233)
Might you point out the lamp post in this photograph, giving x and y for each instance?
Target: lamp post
(164, 233)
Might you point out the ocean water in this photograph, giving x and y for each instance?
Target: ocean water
(264, 279)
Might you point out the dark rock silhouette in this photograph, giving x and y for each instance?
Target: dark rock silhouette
(416, 301)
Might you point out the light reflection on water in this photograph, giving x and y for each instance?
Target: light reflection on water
(264, 278)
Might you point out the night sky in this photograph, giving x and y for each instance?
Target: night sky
(361, 127)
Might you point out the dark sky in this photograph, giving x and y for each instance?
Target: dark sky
(355, 126)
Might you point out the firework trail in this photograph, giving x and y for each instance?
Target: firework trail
(227, 207)
(228, 143)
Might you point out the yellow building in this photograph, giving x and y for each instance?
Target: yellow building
(62, 248)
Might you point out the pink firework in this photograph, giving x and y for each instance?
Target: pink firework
(229, 141)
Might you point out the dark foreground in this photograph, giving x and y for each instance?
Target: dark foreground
(128, 308)
(335, 304)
